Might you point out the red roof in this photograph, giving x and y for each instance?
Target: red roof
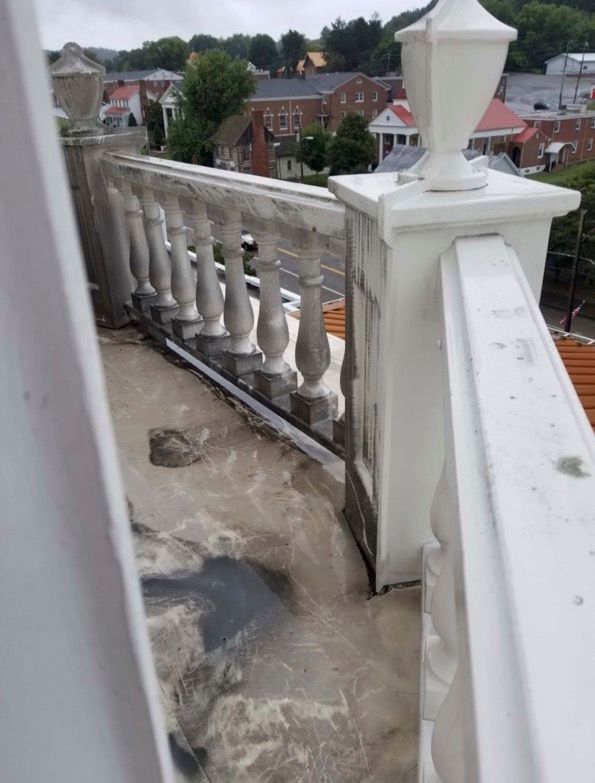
(525, 135)
(125, 92)
(403, 114)
(117, 110)
(499, 117)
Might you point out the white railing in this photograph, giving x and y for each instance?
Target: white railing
(162, 200)
(507, 679)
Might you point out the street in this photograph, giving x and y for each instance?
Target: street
(333, 270)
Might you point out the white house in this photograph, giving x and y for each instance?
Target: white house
(169, 105)
(122, 103)
(396, 125)
(576, 62)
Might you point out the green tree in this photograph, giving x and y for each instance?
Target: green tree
(201, 42)
(214, 88)
(263, 53)
(544, 31)
(352, 149)
(237, 45)
(351, 45)
(293, 48)
(155, 124)
(387, 54)
(313, 152)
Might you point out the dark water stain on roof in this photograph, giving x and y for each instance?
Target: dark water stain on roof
(237, 593)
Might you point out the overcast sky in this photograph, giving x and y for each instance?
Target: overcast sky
(125, 24)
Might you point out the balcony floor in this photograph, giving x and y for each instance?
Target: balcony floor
(274, 664)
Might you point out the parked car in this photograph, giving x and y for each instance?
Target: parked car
(541, 106)
(248, 241)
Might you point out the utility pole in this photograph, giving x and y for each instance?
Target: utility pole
(580, 70)
(575, 266)
(568, 45)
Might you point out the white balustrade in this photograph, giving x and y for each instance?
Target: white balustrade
(441, 522)
(275, 377)
(185, 324)
(144, 292)
(313, 401)
(441, 649)
(514, 605)
(453, 762)
(209, 297)
(241, 357)
(164, 308)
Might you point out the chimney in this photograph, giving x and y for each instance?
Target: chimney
(260, 148)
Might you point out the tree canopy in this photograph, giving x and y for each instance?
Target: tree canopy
(293, 48)
(313, 151)
(545, 30)
(263, 53)
(351, 150)
(214, 88)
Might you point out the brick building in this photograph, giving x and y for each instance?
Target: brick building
(554, 139)
(290, 104)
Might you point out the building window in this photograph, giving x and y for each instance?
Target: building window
(374, 96)
(297, 120)
(374, 113)
(557, 127)
(343, 114)
(289, 165)
(589, 145)
(593, 122)
(537, 124)
(343, 97)
(268, 121)
(574, 145)
(359, 97)
(540, 151)
(578, 125)
(283, 121)
(360, 112)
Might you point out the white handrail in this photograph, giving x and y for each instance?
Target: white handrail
(522, 455)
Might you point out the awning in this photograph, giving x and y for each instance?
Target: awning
(555, 147)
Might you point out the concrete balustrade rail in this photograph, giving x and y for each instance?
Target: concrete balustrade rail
(509, 629)
(159, 201)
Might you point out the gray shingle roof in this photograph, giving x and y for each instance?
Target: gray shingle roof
(132, 76)
(232, 129)
(301, 88)
(402, 157)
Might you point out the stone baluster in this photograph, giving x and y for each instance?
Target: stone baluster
(448, 748)
(241, 357)
(212, 338)
(144, 293)
(275, 378)
(186, 323)
(442, 518)
(313, 402)
(441, 650)
(339, 424)
(164, 307)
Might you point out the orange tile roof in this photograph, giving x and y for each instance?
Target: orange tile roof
(333, 314)
(578, 358)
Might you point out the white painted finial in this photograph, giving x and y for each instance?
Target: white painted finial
(78, 85)
(452, 60)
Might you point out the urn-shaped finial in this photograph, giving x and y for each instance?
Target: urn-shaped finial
(78, 85)
(452, 60)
